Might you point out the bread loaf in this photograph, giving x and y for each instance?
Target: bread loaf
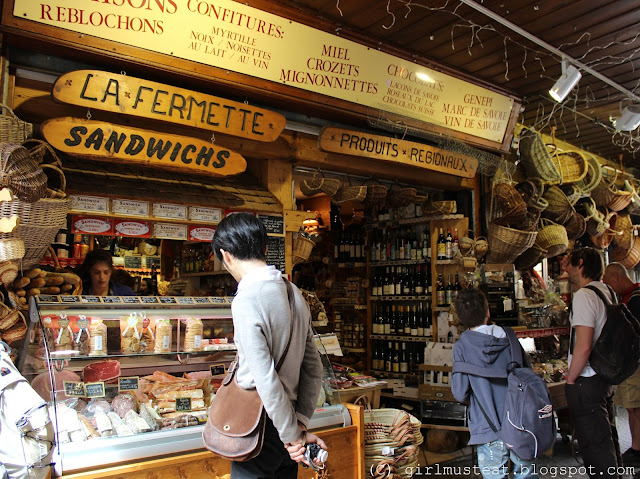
(33, 273)
(21, 282)
(33, 292)
(38, 283)
(50, 290)
(54, 280)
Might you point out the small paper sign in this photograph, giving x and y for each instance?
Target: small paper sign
(94, 226)
(90, 299)
(217, 369)
(201, 300)
(89, 204)
(94, 390)
(74, 389)
(328, 343)
(169, 231)
(70, 299)
(217, 300)
(168, 210)
(139, 229)
(167, 300)
(185, 300)
(183, 404)
(205, 215)
(128, 384)
(201, 233)
(131, 299)
(112, 299)
(130, 207)
(149, 299)
(48, 298)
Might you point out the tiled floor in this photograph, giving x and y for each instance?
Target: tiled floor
(563, 463)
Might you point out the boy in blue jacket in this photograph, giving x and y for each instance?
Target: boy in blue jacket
(487, 346)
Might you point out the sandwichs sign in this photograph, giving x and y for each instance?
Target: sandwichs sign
(356, 143)
(106, 141)
(147, 99)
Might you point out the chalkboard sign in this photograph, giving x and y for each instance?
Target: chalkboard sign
(217, 300)
(128, 384)
(111, 391)
(112, 299)
(273, 224)
(90, 299)
(47, 298)
(94, 390)
(167, 300)
(217, 369)
(183, 404)
(74, 389)
(133, 262)
(153, 259)
(70, 299)
(131, 299)
(275, 252)
(149, 299)
(184, 300)
(201, 300)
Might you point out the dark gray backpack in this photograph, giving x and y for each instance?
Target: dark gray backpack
(527, 425)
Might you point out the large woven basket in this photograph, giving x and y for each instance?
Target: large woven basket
(622, 197)
(302, 248)
(20, 173)
(508, 203)
(349, 193)
(576, 226)
(560, 208)
(606, 189)
(506, 244)
(625, 226)
(552, 237)
(398, 197)
(530, 258)
(440, 208)
(572, 165)
(536, 157)
(11, 249)
(320, 184)
(376, 192)
(628, 257)
(593, 176)
(12, 128)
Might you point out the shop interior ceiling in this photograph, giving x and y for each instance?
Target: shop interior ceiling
(518, 45)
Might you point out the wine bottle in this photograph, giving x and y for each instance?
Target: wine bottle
(448, 245)
(387, 321)
(388, 358)
(407, 321)
(449, 292)
(441, 298)
(442, 246)
(404, 364)
(414, 321)
(420, 321)
(396, 359)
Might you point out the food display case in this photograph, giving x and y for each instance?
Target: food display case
(130, 379)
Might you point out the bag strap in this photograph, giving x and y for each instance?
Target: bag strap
(516, 350)
(607, 302)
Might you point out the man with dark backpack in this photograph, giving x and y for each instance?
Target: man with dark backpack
(510, 416)
(589, 395)
(628, 393)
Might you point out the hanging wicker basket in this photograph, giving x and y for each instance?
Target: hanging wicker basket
(622, 197)
(20, 173)
(560, 208)
(12, 128)
(628, 257)
(593, 176)
(536, 157)
(399, 197)
(506, 244)
(376, 192)
(552, 237)
(625, 226)
(349, 193)
(320, 184)
(572, 165)
(606, 189)
(302, 248)
(576, 226)
(440, 208)
(530, 258)
(508, 204)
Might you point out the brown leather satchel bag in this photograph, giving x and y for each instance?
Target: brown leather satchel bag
(235, 427)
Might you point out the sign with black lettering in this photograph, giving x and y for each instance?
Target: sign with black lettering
(273, 224)
(70, 299)
(356, 143)
(201, 300)
(128, 384)
(275, 252)
(74, 389)
(167, 300)
(90, 299)
(133, 262)
(112, 299)
(125, 144)
(94, 390)
(127, 95)
(149, 299)
(131, 299)
(183, 404)
(184, 300)
(217, 300)
(217, 369)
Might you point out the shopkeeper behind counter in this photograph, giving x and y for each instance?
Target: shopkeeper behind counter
(96, 272)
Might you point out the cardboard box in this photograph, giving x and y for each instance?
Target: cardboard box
(438, 354)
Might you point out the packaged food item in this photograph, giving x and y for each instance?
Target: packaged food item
(50, 331)
(163, 336)
(147, 339)
(97, 337)
(64, 339)
(130, 331)
(81, 342)
(193, 335)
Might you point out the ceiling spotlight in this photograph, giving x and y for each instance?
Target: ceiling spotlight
(569, 79)
(630, 119)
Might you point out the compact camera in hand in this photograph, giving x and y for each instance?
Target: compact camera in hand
(315, 452)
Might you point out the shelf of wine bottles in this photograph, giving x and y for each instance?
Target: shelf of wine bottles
(397, 357)
(411, 318)
(401, 298)
(413, 280)
(390, 337)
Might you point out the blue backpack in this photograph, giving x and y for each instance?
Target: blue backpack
(527, 426)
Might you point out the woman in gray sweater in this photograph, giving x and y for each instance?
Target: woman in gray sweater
(261, 321)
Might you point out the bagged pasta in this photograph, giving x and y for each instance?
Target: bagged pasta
(130, 329)
(163, 336)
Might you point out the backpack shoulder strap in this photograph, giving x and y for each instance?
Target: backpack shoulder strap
(607, 302)
(516, 350)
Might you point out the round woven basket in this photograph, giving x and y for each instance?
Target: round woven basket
(625, 226)
(559, 209)
(576, 226)
(12, 128)
(506, 244)
(509, 206)
(593, 176)
(530, 258)
(628, 257)
(606, 189)
(572, 192)
(622, 197)
(440, 208)
(552, 237)
(536, 157)
(20, 173)
(302, 248)
(320, 184)
(11, 249)
(398, 197)
(349, 193)
(572, 165)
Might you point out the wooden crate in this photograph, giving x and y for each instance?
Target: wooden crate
(556, 393)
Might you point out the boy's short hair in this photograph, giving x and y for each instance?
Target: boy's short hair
(241, 234)
(592, 262)
(472, 307)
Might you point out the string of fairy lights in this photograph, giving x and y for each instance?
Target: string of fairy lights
(548, 113)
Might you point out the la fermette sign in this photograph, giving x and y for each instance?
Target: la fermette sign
(106, 141)
(147, 99)
(356, 143)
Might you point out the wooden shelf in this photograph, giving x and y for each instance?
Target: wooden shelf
(542, 332)
(203, 273)
(394, 396)
(400, 298)
(399, 262)
(389, 337)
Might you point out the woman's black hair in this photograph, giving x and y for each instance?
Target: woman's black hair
(471, 307)
(241, 234)
(92, 258)
(592, 262)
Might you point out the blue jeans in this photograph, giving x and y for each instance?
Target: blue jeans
(493, 462)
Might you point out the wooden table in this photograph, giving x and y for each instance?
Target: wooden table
(372, 393)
